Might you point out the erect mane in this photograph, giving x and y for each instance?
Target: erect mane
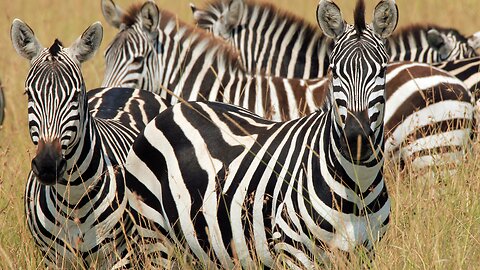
(216, 6)
(359, 18)
(417, 28)
(129, 18)
(226, 51)
(55, 48)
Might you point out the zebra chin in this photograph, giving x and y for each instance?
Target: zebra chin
(49, 165)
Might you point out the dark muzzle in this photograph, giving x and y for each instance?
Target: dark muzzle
(49, 164)
(356, 142)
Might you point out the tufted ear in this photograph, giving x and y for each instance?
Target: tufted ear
(233, 15)
(87, 44)
(330, 20)
(474, 41)
(385, 18)
(24, 40)
(112, 13)
(150, 16)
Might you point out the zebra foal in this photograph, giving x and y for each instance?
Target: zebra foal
(74, 202)
(231, 186)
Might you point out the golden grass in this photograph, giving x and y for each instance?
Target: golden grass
(435, 222)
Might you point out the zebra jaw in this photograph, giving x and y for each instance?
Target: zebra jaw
(49, 165)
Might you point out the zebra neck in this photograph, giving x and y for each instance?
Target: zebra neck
(86, 166)
(362, 176)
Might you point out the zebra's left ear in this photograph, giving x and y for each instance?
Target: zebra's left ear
(474, 41)
(87, 44)
(112, 13)
(385, 18)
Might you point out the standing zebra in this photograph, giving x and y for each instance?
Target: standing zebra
(237, 189)
(284, 45)
(75, 206)
(155, 51)
(2, 104)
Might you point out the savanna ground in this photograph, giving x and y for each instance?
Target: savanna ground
(435, 222)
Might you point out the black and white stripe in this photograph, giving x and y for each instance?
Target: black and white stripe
(74, 203)
(284, 45)
(2, 104)
(182, 63)
(237, 189)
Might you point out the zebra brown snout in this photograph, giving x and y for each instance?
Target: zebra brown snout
(49, 164)
(356, 142)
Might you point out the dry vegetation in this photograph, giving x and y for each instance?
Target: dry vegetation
(435, 222)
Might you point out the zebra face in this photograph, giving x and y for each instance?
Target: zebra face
(57, 103)
(357, 76)
(132, 61)
(449, 45)
(132, 56)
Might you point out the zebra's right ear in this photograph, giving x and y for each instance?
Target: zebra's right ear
(87, 44)
(330, 20)
(24, 40)
(233, 15)
(112, 13)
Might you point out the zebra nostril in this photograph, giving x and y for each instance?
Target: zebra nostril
(35, 167)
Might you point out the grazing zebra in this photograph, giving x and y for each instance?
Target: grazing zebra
(284, 45)
(154, 51)
(2, 104)
(234, 188)
(74, 203)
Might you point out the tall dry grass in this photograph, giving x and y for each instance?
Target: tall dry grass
(435, 220)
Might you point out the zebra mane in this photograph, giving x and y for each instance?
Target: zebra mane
(216, 7)
(56, 47)
(129, 18)
(359, 18)
(417, 29)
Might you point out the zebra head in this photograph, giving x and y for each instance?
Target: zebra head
(450, 45)
(132, 56)
(57, 102)
(357, 75)
(220, 17)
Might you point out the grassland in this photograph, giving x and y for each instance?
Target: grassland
(435, 221)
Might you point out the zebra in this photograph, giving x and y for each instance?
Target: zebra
(155, 51)
(429, 118)
(284, 45)
(74, 202)
(2, 104)
(230, 186)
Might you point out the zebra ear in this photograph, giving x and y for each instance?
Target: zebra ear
(440, 43)
(87, 44)
(234, 13)
(385, 18)
(330, 20)
(24, 40)
(112, 13)
(150, 16)
(474, 41)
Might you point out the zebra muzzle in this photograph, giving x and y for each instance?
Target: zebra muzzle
(49, 165)
(356, 142)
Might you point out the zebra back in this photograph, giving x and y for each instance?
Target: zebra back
(282, 45)
(429, 116)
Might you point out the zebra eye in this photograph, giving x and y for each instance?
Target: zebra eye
(75, 95)
(138, 59)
